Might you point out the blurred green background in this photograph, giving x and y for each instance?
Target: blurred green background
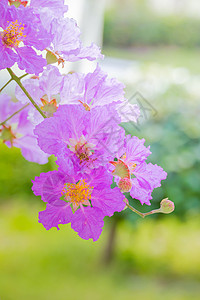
(157, 56)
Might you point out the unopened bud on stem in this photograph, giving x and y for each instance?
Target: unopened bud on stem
(166, 206)
(125, 185)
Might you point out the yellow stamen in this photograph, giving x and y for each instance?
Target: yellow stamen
(13, 34)
(78, 193)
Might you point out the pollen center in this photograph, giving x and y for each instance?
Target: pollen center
(78, 193)
(13, 35)
(81, 148)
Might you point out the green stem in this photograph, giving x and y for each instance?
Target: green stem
(18, 111)
(17, 80)
(23, 76)
(135, 210)
(155, 211)
(6, 85)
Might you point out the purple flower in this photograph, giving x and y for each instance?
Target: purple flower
(57, 7)
(21, 30)
(80, 199)
(92, 90)
(18, 131)
(96, 89)
(48, 10)
(133, 174)
(45, 91)
(66, 44)
(92, 137)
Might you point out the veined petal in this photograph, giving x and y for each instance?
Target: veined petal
(88, 223)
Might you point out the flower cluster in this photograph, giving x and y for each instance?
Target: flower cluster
(75, 117)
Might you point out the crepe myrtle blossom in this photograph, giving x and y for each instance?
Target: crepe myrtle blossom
(56, 6)
(133, 174)
(96, 90)
(80, 199)
(20, 32)
(66, 43)
(92, 137)
(48, 10)
(45, 91)
(92, 90)
(18, 131)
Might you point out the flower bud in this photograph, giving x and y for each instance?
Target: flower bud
(125, 185)
(166, 206)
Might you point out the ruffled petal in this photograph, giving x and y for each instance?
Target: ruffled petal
(65, 36)
(30, 150)
(7, 57)
(128, 112)
(101, 90)
(149, 176)
(88, 223)
(50, 186)
(140, 193)
(30, 61)
(51, 81)
(135, 150)
(108, 200)
(91, 53)
(53, 216)
(53, 133)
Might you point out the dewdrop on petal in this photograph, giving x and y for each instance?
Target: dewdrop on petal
(166, 206)
(125, 185)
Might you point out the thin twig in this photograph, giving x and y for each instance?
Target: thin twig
(6, 85)
(17, 80)
(135, 210)
(15, 113)
(23, 76)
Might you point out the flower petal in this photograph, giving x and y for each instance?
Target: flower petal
(88, 223)
(52, 216)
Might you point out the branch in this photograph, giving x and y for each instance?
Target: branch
(17, 80)
(15, 113)
(6, 85)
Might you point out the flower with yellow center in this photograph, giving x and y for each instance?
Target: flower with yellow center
(13, 35)
(78, 194)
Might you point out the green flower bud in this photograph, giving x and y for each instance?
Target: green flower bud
(166, 206)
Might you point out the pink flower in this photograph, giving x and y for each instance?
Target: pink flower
(45, 91)
(90, 137)
(21, 30)
(80, 199)
(18, 131)
(133, 174)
